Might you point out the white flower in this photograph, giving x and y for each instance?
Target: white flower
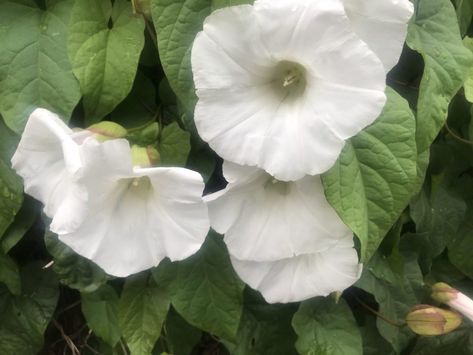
(283, 84)
(460, 302)
(382, 24)
(283, 237)
(125, 219)
(136, 217)
(48, 159)
(302, 277)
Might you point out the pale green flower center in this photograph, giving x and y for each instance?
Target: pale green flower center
(289, 79)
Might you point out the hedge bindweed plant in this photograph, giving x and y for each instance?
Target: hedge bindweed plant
(236, 177)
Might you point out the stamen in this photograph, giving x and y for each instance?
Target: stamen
(290, 79)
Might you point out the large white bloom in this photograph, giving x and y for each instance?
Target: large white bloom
(283, 237)
(283, 84)
(382, 24)
(136, 217)
(302, 277)
(48, 159)
(124, 218)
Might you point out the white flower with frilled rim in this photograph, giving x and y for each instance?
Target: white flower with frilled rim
(382, 24)
(302, 277)
(283, 237)
(137, 216)
(126, 219)
(283, 84)
(48, 159)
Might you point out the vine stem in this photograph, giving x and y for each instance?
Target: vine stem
(381, 316)
(463, 140)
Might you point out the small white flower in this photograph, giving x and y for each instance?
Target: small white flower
(283, 84)
(302, 277)
(284, 238)
(382, 24)
(48, 159)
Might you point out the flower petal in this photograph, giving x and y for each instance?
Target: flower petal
(138, 220)
(382, 25)
(46, 158)
(245, 112)
(265, 220)
(302, 277)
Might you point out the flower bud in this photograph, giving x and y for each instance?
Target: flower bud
(144, 157)
(444, 293)
(429, 320)
(107, 130)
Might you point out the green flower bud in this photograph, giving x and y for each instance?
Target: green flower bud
(443, 293)
(429, 320)
(144, 157)
(107, 130)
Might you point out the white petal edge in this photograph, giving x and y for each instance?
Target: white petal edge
(266, 220)
(300, 278)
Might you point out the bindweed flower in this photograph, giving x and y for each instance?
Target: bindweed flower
(284, 239)
(382, 24)
(441, 292)
(283, 84)
(429, 320)
(304, 276)
(136, 217)
(124, 218)
(48, 159)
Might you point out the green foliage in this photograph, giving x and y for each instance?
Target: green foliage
(174, 145)
(404, 186)
(373, 179)
(100, 309)
(73, 270)
(104, 44)
(34, 67)
(142, 310)
(26, 316)
(205, 290)
(326, 327)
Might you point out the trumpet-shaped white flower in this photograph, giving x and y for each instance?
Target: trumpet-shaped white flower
(125, 219)
(302, 277)
(264, 219)
(284, 238)
(48, 159)
(136, 217)
(382, 24)
(283, 84)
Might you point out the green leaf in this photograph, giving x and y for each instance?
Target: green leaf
(464, 14)
(74, 270)
(468, 42)
(34, 66)
(181, 336)
(142, 310)
(9, 274)
(460, 247)
(434, 33)
(264, 329)
(24, 220)
(459, 342)
(206, 291)
(326, 327)
(373, 180)
(100, 309)
(104, 59)
(438, 216)
(11, 196)
(174, 145)
(8, 141)
(373, 342)
(177, 23)
(395, 292)
(25, 318)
